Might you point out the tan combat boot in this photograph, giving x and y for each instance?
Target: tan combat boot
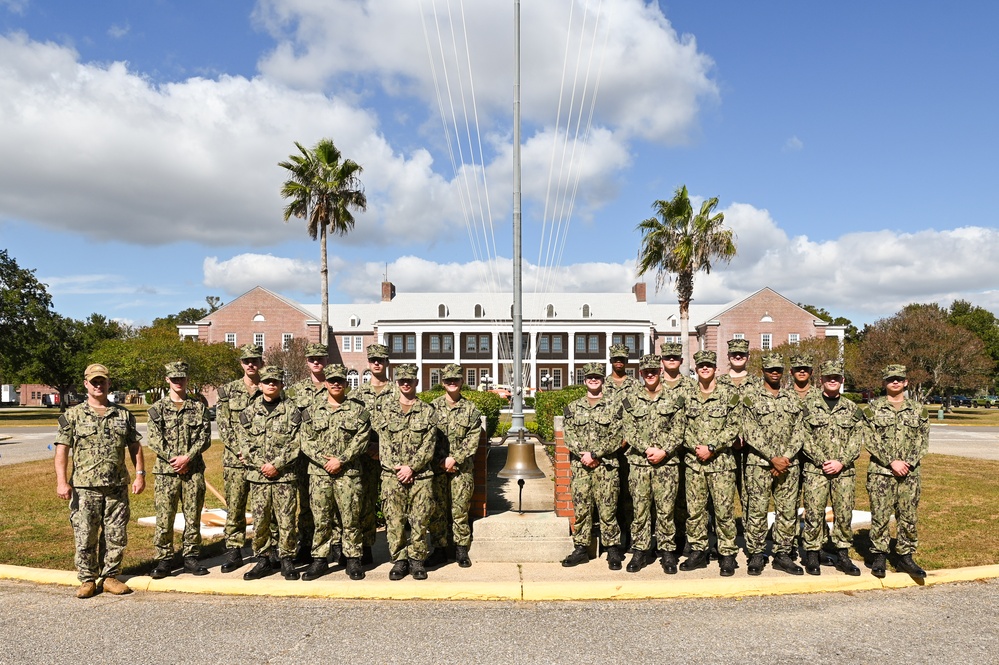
(116, 588)
(86, 590)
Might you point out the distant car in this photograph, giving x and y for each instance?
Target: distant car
(935, 399)
(988, 401)
(960, 400)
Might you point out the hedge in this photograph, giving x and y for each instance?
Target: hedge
(489, 404)
(551, 403)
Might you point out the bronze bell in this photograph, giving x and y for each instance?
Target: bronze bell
(520, 462)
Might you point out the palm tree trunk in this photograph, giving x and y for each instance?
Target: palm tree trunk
(324, 326)
(685, 335)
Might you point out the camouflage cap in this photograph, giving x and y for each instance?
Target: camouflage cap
(250, 351)
(594, 369)
(738, 346)
(335, 371)
(94, 371)
(406, 371)
(706, 358)
(893, 370)
(316, 350)
(177, 370)
(671, 349)
(452, 371)
(377, 351)
(803, 360)
(832, 368)
(619, 351)
(271, 372)
(772, 360)
(650, 361)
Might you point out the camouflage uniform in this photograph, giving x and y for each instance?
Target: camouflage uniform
(342, 432)
(595, 429)
(406, 438)
(772, 426)
(99, 500)
(712, 420)
(271, 436)
(830, 434)
(897, 434)
(184, 431)
(653, 421)
(304, 393)
(459, 428)
(370, 468)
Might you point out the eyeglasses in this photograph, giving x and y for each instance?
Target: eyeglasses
(774, 370)
(705, 366)
(250, 361)
(737, 354)
(650, 372)
(270, 382)
(315, 359)
(674, 358)
(378, 361)
(336, 379)
(833, 379)
(895, 379)
(406, 381)
(802, 369)
(451, 382)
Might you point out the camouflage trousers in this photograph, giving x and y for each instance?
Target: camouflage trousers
(270, 503)
(720, 488)
(306, 523)
(237, 489)
(169, 489)
(452, 500)
(595, 489)
(371, 474)
(99, 513)
(653, 490)
(840, 491)
(407, 504)
(336, 507)
(759, 486)
(899, 496)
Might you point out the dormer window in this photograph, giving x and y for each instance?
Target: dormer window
(479, 312)
(550, 311)
(442, 311)
(355, 321)
(586, 311)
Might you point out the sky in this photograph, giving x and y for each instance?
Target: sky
(844, 143)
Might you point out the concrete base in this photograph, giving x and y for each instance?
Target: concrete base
(521, 537)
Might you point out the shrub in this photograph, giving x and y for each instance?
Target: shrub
(529, 402)
(551, 403)
(488, 403)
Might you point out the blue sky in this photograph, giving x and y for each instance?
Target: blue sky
(851, 146)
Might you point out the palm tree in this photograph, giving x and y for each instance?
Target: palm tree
(323, 188)
(676, 243)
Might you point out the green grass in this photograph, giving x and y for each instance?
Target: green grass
(966, 416)
(37, 417)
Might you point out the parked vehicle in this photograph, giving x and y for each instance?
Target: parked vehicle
(987, 402)
(8, 395)
(960, 400)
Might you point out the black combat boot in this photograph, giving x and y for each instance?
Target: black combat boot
(336, 555)
(668, 562)
(812, 566)
(640, 559)
(288, 569)
(878, 565)
(615, 557)
(304, 552)
(399, 570)
(726, 565)
(437, 558)
(366, 557)
(233, 560)
(845, 565)
(577, 556)
(163, 569)
(697, 559)
(194, 567)
(316, 569)
(461, 556)
(274, 558)
(786, 563)
(261, 569)
(907, 565)
(756, 564)
(354, 569)
(417, 569)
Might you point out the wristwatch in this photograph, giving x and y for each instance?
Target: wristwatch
(140, 473)
(711, 449)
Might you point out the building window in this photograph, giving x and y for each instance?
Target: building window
(616, 339)
(230, 338)
(346, 343)
(586, 311)
(470, 343)
(630, 371)
(410, 343)
(793, 338)
(671, 339)
(579, 376)
(550, 311)
(396, 343)
(594, 344)
(556, 343)
(358, 343)
(435, 345)
(354, 321)
(543, 344)
(483, 343)
(435, 377)
(479, 312)
(556, 378)
(352, 379)
(258, 339)
(483, 375)
(259, 317)
(447, 342)
(739, 336)
(765, 341)
(286, 341)
(580, 343)
(441, 311)
(470, 377)
(632, 342)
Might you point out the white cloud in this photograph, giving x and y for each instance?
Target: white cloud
(793, 144)
(97, 284)
(118, 31)
(15, 6)
(245, 271)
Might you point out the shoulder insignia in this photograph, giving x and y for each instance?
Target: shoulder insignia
(747, 401)
(244, 417)
(306, 415)
(734, 400)
(63, 421)
(296, 416)
(566, 412)
(154, 413)
(223, 393)
(867, 411)
(681, 401)
(860, 414)
(925, 413)
(364, 416)
(626, 403)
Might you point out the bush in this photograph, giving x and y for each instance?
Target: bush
(488, 403)
(856, 398)
(504, 428)
(152, 396)
(528, 402)
(551, 403)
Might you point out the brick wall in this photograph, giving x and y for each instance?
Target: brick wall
(563, 474)
(238, 317)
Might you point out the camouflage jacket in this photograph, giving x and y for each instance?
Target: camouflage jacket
(593, 429)
(686, 383)
(406, 439)
(304, 392)
(233, 399)
(714, 420)
(175, 432)
(772, 425)
(653, 422)
(270, 438)
(98, 444)
(341, 432)
(459, 428)
(836, 434)
(896, 435)
(618, 392)
(750, 382)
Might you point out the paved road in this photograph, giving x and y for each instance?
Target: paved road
(943, 624)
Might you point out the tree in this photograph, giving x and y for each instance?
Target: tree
(937, 354)
(677, 244)
(820, 313)
(323, 188)
(292, 360)
(184, 316)
(24, 301)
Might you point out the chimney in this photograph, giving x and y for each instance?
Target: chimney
(388, 291)
(639, 291)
